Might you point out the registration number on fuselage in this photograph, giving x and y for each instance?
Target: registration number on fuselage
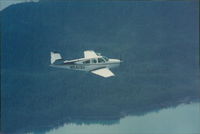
(77, 67)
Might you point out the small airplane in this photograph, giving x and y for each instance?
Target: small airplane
(92, 62)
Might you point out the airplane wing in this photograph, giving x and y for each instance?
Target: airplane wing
(90, 54)
(104, 72)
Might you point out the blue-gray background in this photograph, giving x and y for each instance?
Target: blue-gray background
(157, 40)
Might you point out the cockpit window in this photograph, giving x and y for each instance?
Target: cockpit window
(86, 62)
(101, 60)
(105, 58)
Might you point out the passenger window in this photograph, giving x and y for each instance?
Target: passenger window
(94, 61)
(86, 62)
(100, 60)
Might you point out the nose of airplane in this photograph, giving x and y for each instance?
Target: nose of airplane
(115, 60)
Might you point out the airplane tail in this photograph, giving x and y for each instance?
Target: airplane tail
(55, 56)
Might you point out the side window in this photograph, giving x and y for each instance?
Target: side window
(100, 60)
(86, 62)
(94, 61)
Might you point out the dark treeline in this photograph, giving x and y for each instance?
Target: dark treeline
(156, 40)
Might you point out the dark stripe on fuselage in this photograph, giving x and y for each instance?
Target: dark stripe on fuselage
(105, 64)
(74, 63)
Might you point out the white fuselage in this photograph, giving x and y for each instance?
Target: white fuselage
(88, 64)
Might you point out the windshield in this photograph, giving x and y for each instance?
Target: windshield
(105, 58)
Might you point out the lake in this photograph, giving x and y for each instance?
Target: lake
(184, 118)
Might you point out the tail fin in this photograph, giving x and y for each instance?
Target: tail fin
(55, 56)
